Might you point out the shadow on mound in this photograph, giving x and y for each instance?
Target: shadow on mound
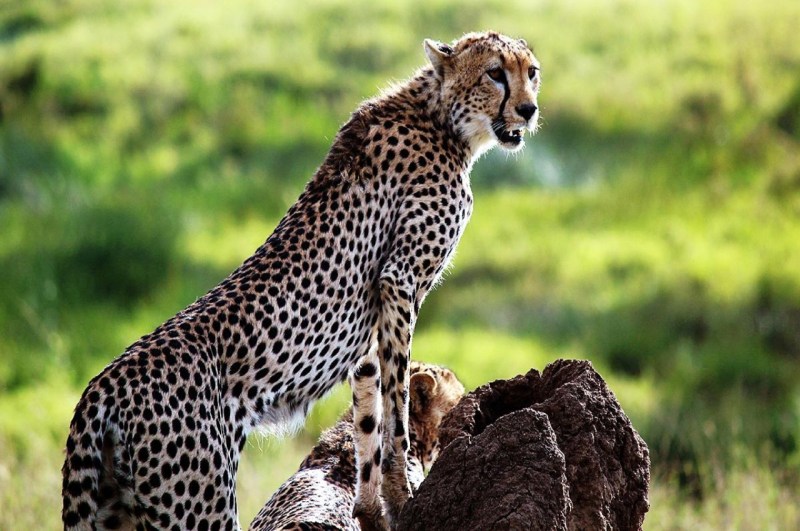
(540, 451)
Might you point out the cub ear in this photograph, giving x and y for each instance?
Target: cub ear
(524, 43)
(422, 387)
(439, 54)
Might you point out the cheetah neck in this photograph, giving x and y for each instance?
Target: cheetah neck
(421, 95)
(416, 102)
(423, 92)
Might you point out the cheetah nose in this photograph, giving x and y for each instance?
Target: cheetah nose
(526, 110)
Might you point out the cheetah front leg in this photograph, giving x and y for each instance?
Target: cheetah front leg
(395, 327)
(365, 383)
(390, 354)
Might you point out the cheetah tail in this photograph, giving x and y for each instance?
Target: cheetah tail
(86, 458)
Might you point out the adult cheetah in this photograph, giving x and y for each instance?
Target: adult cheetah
(321, 494)
(156, 436)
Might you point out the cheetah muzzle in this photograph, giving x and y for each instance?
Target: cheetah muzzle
(333, 293)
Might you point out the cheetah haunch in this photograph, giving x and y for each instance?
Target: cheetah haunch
(334, 291)
(321, 494)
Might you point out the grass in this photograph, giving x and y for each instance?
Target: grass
(749, 496)
(147, 148)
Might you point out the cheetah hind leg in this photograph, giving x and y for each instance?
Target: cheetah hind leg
(116, 500)
(365, 382)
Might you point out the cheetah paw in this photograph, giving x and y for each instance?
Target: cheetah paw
(396, 492)
(370, 517)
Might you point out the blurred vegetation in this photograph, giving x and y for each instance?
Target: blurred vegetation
(147, 148)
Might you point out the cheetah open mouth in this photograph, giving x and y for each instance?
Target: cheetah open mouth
(513, 136)
(509, 138)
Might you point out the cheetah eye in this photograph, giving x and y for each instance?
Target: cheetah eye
(497, 74)
(532, 72)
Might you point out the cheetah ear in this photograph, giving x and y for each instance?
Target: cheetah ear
(524, 43)
(422, 387)
(439, 54)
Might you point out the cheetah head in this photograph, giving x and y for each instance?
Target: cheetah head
(490, 85)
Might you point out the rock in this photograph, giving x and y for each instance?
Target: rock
(540, 451)
(472, 488)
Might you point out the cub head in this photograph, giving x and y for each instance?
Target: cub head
(490, 85)
(433, 391)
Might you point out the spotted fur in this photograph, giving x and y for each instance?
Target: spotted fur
(321, 495)
(156, 437)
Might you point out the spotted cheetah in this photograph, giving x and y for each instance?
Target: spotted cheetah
(322, 492)
(156, 436)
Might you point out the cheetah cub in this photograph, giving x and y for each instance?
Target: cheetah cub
(334, 292)
(321, 494)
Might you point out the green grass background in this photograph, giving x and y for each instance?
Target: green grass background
(652, 227)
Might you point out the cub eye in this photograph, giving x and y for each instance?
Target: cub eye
(532, 72)
(497, 74)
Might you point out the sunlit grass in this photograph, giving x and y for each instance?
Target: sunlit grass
(33, 428)
(222, 243)
(747, 496)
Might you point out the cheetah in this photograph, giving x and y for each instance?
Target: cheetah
(321, 494)
(333, 293)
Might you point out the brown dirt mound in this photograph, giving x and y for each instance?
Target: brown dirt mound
(540, 451)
